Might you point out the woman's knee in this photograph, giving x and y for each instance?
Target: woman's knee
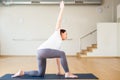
(62, 53)
(40, 54)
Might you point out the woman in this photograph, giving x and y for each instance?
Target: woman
(51, 49)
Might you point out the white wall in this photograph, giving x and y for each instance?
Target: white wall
(115, 3)
(0, 40)
(118, 17)
(107, 35)
(24, 28)
(0, 34)
(119, 38)
(118, 11)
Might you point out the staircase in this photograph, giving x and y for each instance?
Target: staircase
(84, 52)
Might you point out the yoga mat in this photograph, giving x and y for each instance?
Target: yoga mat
(85, 76)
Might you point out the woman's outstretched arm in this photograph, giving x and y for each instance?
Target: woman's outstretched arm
(59, 20)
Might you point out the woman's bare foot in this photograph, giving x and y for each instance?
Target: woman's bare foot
(70, 75)
(19, 73)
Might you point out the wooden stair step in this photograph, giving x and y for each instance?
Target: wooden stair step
(89, 49)
(84, 52)
(79, 55)
(94, 45)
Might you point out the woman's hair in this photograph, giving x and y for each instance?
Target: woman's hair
(62, 31)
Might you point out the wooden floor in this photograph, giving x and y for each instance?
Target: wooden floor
(103, 68)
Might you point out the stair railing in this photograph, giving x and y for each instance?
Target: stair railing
(88, 39)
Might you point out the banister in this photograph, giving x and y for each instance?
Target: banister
(88, 33)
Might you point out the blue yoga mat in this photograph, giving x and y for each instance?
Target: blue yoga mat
(85, 76)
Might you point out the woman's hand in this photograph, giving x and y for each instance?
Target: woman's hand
(62, 4)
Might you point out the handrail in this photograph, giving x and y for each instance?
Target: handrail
(88, 33)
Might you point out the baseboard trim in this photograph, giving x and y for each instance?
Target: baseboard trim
(18, 56)
(101, 57)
